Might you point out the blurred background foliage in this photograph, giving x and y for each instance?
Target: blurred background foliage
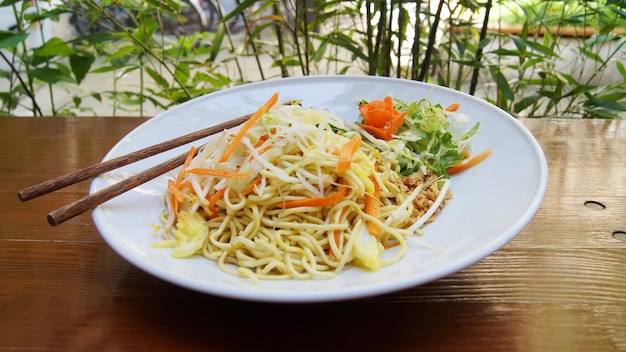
(138, 57)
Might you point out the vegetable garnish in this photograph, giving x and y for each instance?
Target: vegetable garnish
(453, 107)
(318, 201)
(430, 140)
(471, 162)
(347, 152)
(381, 119)
(216, 172)
(246, 126)
(298, 193)
(372, 207)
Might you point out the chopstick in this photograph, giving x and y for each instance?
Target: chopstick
(96, 169)
(91, 201)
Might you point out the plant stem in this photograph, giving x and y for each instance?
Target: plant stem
(479, 50)
(22, 83)
(431, 42)
(401, 21)
(415, 49)
(138, 42)
(371, 57)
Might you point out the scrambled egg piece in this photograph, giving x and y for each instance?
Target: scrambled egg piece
(190, 232)
(367, 251)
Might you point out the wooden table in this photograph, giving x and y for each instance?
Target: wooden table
(559, 286)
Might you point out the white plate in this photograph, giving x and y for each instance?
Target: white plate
(492, 201)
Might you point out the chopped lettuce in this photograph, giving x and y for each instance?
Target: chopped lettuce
(427, 141)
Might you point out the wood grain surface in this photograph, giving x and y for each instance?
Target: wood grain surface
(558, 286)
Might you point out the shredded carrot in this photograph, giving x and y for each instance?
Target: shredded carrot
(347, 152)
(318, 201)
(219, 194)
(190, 155)
(264, 149)
(381, 119)
(246, 126)
(250, 187)
(394, 244)
(176, 195)
(471, 162)
(264, 137)
(175, 187)
(452, 107)
(372, 207)
(216, 172)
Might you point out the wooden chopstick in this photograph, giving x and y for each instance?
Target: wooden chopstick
(93, 200)
(96, 169)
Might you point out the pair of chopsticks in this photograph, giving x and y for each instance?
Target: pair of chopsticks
(93, 200)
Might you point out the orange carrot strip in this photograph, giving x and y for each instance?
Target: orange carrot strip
(190, 155)
(347, 152)
(377, 132)
(372, 207)
(389, 246)
(452, 107)
(175, 186)
(250, 187)
(317, 201)
(264, 149)
(471, 162)
(182, 186)
(214, 200)
(176, 196)
(246, 126)
(216, 172)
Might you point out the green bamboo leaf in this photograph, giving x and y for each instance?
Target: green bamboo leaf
(217, 41)
(318, 54)
(520, 44)
(182, 72)
(80, 65)
(612, 101)
(470, 63)
(621, 69)
(50, 75)
(483, 43)
(158, 79)
(543, 49)
(619, 11)
(579, 90)
(54, 47)
(506, 52)
(592, 55)
(502, 83)
(41, 15)
(346, 42)
(11, 39)
(237, 10)
(105, 69)
(525, 103)
(122, 52)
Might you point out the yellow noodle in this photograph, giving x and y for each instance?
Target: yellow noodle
(253, 236)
